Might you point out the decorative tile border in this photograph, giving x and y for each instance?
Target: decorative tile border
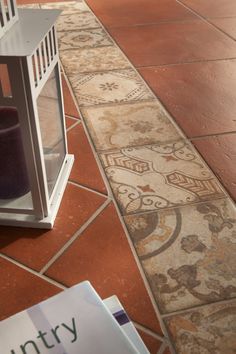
(109, 87)
(83, 39)
(132, 124)
(151, 177)
(202, 240)
(94, 59)
(206, 330)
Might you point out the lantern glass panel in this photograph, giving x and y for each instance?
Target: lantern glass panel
(50, 119)
(5, 81)
(14, 182)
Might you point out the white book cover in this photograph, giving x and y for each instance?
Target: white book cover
(116, 308)
(73, 322)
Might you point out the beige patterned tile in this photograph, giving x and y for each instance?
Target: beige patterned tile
(158, 176)
(209, 330)
(67, 6)
(109, 87)
(84, 39)
(188, 253)
(89, 60)
(139, 123)
(76, 20)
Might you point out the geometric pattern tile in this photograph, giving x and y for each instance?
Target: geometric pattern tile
(158, 176)
(109, 87)
(188, 253)
(83, 39)
(95, 59)
(133, 124)
(210, 329)
(76, 20)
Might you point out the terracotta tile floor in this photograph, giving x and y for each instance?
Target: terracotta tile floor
(143, 216)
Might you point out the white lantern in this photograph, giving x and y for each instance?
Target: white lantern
(34, 163)
(8, 15)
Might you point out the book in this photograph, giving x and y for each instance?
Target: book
(117, 310)
(76, 321)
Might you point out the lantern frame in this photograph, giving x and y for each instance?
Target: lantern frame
(30, 51)
(9, 15)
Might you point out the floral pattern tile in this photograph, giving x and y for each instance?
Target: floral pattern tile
(209, 330)
(188, 253)
(76, 20)
(67, 6)
(84, 39)
(109, 87)
(158, 176)
(89, 60)
(139, 123)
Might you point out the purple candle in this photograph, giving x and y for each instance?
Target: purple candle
(13, 173)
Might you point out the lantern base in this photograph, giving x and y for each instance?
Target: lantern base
(46, 223)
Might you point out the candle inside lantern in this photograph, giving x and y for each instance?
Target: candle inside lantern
(13, 172)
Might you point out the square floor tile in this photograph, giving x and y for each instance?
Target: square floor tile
(158, 176)
(89, 60)
(220, 154)
(85, 170)
(128, 125)
(210, 329)
(134, 12)
(76, 20)
(188, 253)
(102, 254)
(21, 289)
(67, 6)
(228, 25)
(34, 247)
(84, 39)
(109, 87)
(224, 8)
(170, 43)
(200, 96)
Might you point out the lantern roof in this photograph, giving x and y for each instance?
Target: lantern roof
(25, 35)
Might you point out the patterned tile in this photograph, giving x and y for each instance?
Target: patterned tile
(158, 176)
(207, 330)
(89, 60)
(188, 253)
(109, 87)
(76, 20)
(84, 39)
(128, 125)
(67, 6)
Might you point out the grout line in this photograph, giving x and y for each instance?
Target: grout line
(143, 276)
(163, 348)
(176, 207)
(34, 272)
(88, 189)
(75, 236)
(184, 63)
(148, 331)
(72, 117)
(72, 126)
(205, 19)
(197, 307)
(211, 135)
